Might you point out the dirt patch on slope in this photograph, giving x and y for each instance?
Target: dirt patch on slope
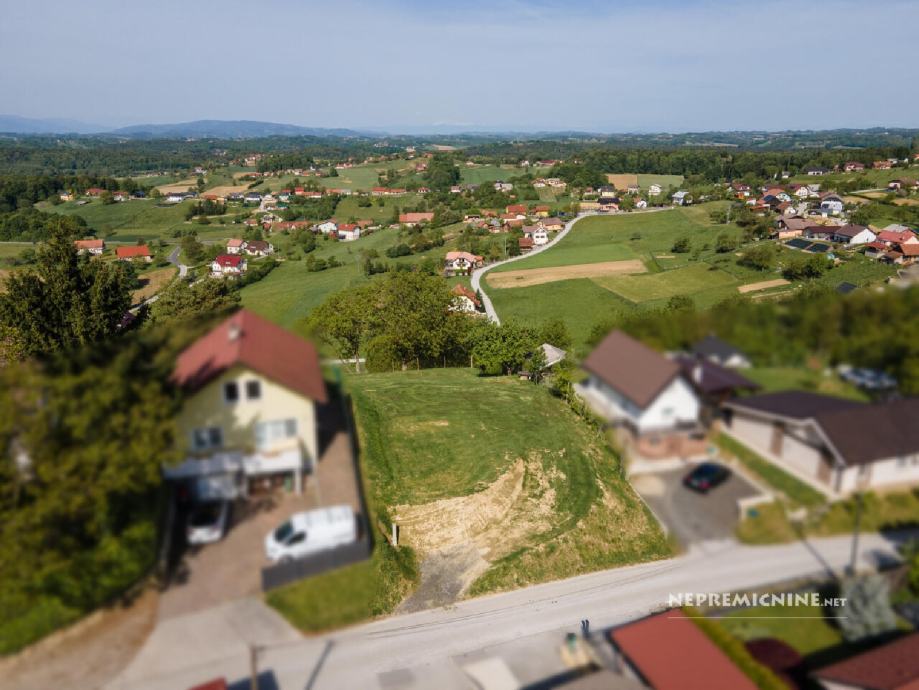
(764, 285)
(458, 538)
(180, 186)
(537, 276)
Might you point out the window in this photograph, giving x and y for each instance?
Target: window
(231, 391)
(253, 390)
(298, 538)
(267, 433)
(210, 437)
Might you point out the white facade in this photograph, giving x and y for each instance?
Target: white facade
(675, 406)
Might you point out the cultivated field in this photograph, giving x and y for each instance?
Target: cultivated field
(180, 186)
(537, 276)
(623, 181)
(474, 488)
(702, 274)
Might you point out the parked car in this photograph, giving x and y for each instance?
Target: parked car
(207, 522)
(706, 476)
(311, 531)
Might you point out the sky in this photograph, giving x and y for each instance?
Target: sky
(525, 65)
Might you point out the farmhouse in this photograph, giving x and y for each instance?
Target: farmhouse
(258, 248)
(90, 246)
(525, 244)
(235, 246)
(465, 300)
(348, 232)
(720, 352)
(852, 235)
(249, 417)
(228, 265)
(413, 219)
(632, 385)
(552, 224)
(836, 445)
(853, 166)
(328, 226)
(831, 203)
(461, 262)
(137, 251)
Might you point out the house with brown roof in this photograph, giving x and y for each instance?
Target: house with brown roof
(838, 446)
(249, 411)
(637, 387)
(668, 651)
(461, 262)
(892, 666)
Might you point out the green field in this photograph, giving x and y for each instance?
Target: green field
(803, 627)
(483, 174)
(665, 181)
(126, 221)
(702, 274)
(445, 433)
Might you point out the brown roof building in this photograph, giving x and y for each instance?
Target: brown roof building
(893, 666)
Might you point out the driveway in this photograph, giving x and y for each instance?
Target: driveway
(210, 575)
(692, 518)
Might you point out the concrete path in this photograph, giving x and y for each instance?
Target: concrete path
(173, 258)
(429, 644)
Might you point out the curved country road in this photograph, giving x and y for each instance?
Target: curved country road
(477, 274)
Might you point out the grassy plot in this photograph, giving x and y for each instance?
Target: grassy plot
(127, 221)
(801, 378)
(659, 286)
(803, 627)
(463, 459)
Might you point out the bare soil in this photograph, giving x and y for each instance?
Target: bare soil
(537, 276)
(180, 186)
(623, 181)
(458, 538)
(763, 285)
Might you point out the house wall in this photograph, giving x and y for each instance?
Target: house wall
(207, 408)
(800, 450)
(677, 404)
(881, 474)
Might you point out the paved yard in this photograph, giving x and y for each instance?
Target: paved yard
(693, 518)
(231, 569)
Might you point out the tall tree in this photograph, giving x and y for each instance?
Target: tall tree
(64, 302)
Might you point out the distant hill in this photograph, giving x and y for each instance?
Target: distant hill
(228, 129)
(28, 125)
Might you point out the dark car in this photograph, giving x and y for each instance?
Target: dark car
(706, 476)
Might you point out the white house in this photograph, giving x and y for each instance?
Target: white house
(837, 446)
(853, 234)
(682, 198)
(832, 203)
(540, 236)
(465, 300)
(327, 227)
(654, 189)
(235, 246)
(632, 385)
(461, 262)
(228, 265)
(348, 232)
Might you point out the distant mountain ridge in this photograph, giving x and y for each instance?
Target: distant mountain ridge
(229, 129)
(28, 125)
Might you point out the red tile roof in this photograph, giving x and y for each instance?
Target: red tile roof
(228, 260)
(132, 251)
(89, 244)
(251, 341)
(463, 291)
(672, 653)
(415, 217)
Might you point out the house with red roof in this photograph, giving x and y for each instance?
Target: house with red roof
(669, 651)
(249, 411)
(131, 252)
(90, 246)
(413, 219)
(228, 265)
(465, 300)
(891, 666)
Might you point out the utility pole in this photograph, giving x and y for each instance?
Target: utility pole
(253, 667)
(858, 519)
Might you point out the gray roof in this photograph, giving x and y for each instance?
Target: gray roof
(713, 346)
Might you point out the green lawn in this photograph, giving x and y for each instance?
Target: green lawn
(127, 221)
(658, 286)
(445, 433)
(802, 378)
(665, 181)
(803, 627)
(485, 174)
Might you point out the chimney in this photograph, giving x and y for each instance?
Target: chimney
(697, 373)
(235, 332)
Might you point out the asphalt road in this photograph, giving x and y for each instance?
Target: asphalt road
(691, 517)
(432, 644)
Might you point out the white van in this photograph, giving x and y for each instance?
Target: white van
(311, 531)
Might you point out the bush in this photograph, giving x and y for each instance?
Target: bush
(867, 611)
